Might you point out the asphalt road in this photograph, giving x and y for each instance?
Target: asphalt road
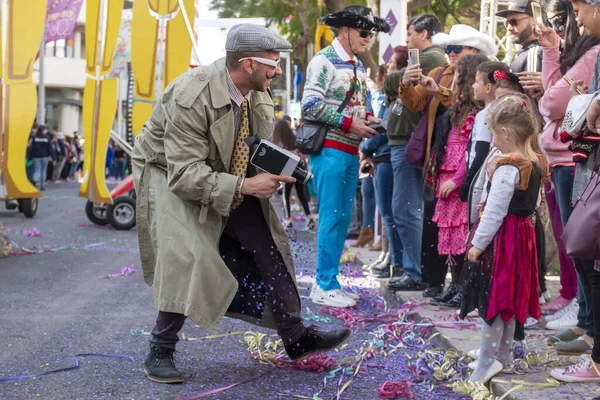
(54, 305)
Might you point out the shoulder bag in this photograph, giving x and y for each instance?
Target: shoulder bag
(417, 142)
(310, 136)
(581, 234)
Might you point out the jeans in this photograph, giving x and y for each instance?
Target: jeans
(585, 317)
(119, 168)
(407, 208)
(40, 167)
(384, 187)
(368, 202)
(336, 177)
(559, 208)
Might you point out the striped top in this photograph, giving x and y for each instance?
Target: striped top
(329, 77)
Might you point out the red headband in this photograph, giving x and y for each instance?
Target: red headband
(501, 75)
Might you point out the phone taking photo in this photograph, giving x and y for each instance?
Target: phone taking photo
(413, 57)
(538, 20)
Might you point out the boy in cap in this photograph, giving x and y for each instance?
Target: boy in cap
(210, 241)
(330, 76)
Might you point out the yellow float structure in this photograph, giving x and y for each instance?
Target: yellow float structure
(22, 27)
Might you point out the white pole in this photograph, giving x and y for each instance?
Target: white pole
(190, 30)
(288, 83)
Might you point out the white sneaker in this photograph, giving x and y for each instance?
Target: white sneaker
(350, 294)
(332, 298)
(542, 300)
(494, 370)
(546, 295)
(312, 290)
(474, 354)
(573, 305)
(567, 321)
(530, 322)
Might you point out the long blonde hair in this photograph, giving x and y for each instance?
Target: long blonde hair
(515, 112)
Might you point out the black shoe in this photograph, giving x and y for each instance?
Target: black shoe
(405, 283)
(311, 224)
(314, 340)
(386, 273)
(453, 302)
(448, 294)
(433, 291)
(160, 365)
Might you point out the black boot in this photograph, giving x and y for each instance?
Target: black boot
(447, 295)
(453, 302)
(314, 340)
(160, 365)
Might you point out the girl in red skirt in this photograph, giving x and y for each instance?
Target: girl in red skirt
(503, 243)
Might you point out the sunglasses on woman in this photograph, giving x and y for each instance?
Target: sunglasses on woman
(558, 22)
(363, 34)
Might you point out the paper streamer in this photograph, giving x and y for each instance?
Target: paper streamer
(75, 357)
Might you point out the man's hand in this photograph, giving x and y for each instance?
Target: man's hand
(264, 185)
(474, 254)
(360, 128)
(373, 120)
(429, 84)
(593, 117)
(447, 188)
(412, 74)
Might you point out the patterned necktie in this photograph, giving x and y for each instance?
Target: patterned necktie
(241, 151)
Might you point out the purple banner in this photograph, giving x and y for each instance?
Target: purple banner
(61, 19)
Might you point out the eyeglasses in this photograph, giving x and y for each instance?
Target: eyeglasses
(364, 34)
(456, 49)
(514, 22)
(558, 22)
(265, 61)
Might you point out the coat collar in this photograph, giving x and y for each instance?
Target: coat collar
(219, 91)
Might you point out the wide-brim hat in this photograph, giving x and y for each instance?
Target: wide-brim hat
(519, 6)
(356, 17)
(465, 35)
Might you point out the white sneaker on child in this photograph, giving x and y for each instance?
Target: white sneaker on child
(494, 370)
(530, 322)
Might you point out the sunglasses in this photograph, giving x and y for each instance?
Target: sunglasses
(558, 22)
(514, 22)
(265, 61)
(364, 34)
(456, 49)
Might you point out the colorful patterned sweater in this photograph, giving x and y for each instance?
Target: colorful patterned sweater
(328, 79)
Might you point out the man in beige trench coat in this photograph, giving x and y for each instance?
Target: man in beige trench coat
(210, 241)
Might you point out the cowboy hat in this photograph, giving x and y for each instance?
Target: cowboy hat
(356, 17)
(465, 35)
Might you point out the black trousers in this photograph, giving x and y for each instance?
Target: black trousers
(247, 227)
(301, 192)
(435, 266)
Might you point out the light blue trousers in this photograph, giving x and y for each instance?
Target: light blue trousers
(336, 177)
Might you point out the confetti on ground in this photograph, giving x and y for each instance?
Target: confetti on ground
(32, 233)
(125, 271)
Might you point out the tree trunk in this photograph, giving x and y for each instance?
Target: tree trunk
(335, 5)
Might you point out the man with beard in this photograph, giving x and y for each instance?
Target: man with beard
(210, 240)
(334, 95)
(528, 61)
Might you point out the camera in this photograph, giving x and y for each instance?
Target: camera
(277, 161)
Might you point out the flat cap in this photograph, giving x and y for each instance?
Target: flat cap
(251, 38)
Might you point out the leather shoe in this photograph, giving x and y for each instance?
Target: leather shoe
(448, 294)
(433, 291)
(405, 283)
(160, 365)
(386, 273)
(315, 340)
(453, 302)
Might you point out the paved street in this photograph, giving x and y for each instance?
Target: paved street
(54, 306)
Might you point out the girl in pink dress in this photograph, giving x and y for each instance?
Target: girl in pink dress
(446, 170)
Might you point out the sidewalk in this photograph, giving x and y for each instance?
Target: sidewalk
(464, 338)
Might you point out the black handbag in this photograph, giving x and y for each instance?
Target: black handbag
(310, 136)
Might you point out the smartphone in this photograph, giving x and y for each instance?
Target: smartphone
(413, 56)
(537, 16)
